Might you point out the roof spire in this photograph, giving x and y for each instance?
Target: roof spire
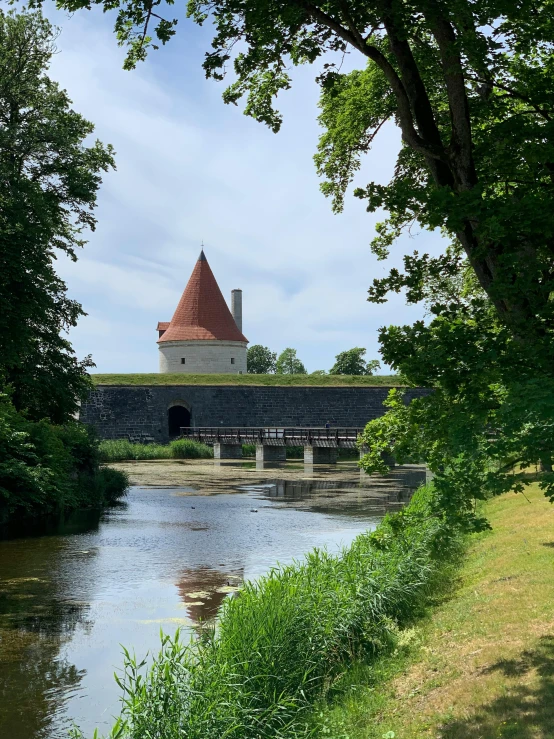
(202, 312)
(202, 257)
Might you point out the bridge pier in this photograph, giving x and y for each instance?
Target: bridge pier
(320, 455)
(267, 453)
(227, 451)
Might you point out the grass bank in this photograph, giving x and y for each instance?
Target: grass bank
(119, 450)
(285, 640)
(482, 665)
(277, 380)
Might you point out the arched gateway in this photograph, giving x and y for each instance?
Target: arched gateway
(178, 416)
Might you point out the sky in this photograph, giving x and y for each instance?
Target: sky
(191, 169)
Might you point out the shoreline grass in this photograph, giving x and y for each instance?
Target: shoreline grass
(139, 379)
(120, 450)
(481, 666)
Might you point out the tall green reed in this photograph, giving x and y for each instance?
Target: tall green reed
(118, 450)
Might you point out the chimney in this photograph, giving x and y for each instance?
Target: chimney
(236, 307)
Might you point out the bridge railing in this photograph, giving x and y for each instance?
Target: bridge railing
(279, 435)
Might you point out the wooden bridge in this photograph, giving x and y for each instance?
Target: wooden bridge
(320, 444)
(321, 437)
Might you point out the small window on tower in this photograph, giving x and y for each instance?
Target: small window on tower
(232, 360)
(182, 360)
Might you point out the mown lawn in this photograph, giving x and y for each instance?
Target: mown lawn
(278, 380)
(482, 664)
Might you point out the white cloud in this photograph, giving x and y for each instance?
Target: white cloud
(190, 168)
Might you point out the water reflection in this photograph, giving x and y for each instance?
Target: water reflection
(41, 606)
(356, 494)
(75, 522)
(204, 589)
(71, 595)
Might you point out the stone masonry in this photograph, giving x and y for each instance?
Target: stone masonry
(203, 357)
(139, 413)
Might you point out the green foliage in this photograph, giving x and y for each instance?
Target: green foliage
(107, 485)
(469, 83)
(494, 125)
(490, 412)
(289, 364)
(48, 185)
(46, 469)
(354, 107)
(352, 362)
(260, 360)
(285, 639)
(118, 450)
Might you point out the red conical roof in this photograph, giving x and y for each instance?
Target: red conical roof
(202, 312)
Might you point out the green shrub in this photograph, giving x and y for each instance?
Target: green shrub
(190, 449)
(103, 487)
(46, 468)
(285, 638)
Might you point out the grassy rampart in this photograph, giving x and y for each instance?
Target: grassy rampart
(277, 380)
(285, 639)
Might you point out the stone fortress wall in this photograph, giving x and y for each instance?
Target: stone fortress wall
(203, 357)
(140, 413)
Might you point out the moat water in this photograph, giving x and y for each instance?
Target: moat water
(73, 591)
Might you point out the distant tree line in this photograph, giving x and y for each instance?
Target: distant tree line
(262, 361)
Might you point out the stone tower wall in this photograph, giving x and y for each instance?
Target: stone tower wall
(203, 357)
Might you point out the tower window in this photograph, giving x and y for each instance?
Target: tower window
(182, 360)
(232, 360)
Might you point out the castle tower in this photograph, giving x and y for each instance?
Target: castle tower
(203, 337)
